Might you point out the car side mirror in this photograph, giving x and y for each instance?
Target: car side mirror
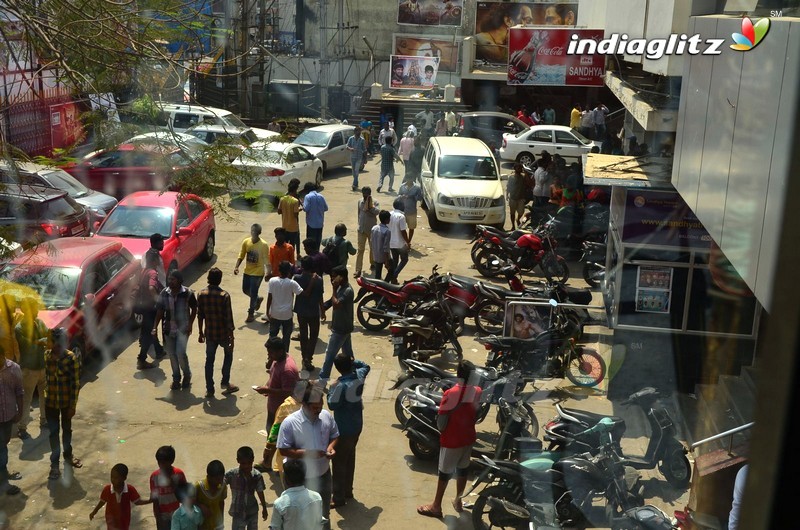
(89, 298)
(184, 231)
(427, 174)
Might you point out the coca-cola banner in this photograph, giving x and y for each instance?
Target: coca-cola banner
(494, 19)
(538, 56)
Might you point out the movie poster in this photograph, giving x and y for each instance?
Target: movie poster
(430, 12)
(413, 72)
(494, 19)
(538, 56)
(443, 47)
(653, 289)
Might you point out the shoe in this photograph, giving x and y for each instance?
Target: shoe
(176, 385)
(144, 365)
(309, 367)
(160, 355)
(229, 389)
(355, 188)
(210, 394)
(378, 189)
(186, 383)
(391, 190)
(337, 504)
(259, 301)
(54, 474)
(250, 318)
(23, 434)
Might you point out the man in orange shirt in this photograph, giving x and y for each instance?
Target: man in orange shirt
(280, 251)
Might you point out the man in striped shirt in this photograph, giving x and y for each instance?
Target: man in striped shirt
(62, 373)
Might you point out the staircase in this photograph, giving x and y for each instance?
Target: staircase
(371, 109)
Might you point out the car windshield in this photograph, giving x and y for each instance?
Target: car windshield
(64, 181)
(231, 120)
(467, 167)
(60, 208)
(581, 138)
(261, 156)
(56, 285)
(522, 132)
(138, 221)
(311, 138)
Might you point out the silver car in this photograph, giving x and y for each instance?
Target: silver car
(328, 143)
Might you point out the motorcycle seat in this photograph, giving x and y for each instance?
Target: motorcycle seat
(591, 418)
(385, 285)
(463, 282)
(501, 292)
(419, 366)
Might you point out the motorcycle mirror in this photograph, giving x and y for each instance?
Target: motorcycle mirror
(553, 303)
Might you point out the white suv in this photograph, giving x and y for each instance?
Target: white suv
(181, 117)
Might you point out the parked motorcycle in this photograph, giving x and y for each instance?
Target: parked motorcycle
(552, 353)
(594, 262)
(571, 226)
(529, 251)
(646, 517)
(379, 301)
(548, 491)
(483, 233)
(663, 450)
(516, 419)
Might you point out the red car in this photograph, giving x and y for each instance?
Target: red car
(186, 222)
(88, 286)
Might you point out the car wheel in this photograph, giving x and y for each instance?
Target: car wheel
(526, 159)
(433, 221)
(208, 249)
(318, 178)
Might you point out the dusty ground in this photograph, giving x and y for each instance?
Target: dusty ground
(124, 415)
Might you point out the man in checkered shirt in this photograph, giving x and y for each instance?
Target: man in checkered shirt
(215, 328)
(62, 373)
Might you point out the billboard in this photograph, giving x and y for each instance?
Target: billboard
(413, 72)
(494, 19)
(443, 47)
(430, 12)
(538, 56)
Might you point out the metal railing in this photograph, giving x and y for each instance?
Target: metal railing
(721, 435)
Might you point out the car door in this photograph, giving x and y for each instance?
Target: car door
(540, 140)
(123, 280)
(302, 163)
(568, 146)
(183, 252)
(346, 135)
(428, 169)
(97, 297)
(338, 152)
(201, 222)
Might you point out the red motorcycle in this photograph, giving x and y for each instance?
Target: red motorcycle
(528, 252)
(379, 301)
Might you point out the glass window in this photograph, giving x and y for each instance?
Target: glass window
(182, 218)
(195, 208)
(336, 141)
(60, 208)
(541, 136)
(566, 138)
(56, 285)
(184, 121)
(114, 264)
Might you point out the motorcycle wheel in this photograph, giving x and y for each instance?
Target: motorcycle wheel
(593, 274)
(533, 424)
(423, 452)
(484, 265)
(676, 469)
(483, 519)
(555, 270)
(585, 368)
(489, 317)
(475, 250)
(403, 398)
(369, 321)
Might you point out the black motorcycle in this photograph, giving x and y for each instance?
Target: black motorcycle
(663, 450)
(594, 262)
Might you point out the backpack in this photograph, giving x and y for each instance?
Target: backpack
(331, 251)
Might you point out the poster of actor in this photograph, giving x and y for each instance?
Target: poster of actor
(430, 12)
(494, 19)
(443, 47)
(525, 320)
(413, 72)
(538, 56)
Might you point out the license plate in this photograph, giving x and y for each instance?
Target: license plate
(398, 339)
(473, 213)
(490, 357)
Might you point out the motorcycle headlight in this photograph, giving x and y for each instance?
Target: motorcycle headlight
(444, 199)
(500, 201)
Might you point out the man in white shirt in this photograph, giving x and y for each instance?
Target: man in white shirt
(298, 508)
(450, 120)
(427, 117)
(280, 299)
(587, 122)
(398, 241)
(386, 132)
(600, 112)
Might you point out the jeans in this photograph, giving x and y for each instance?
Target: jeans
(5, 437)
(293, 238)
(337, 341)
(600, 131)
(399, 260)
(146, 338)
(286, 326)
(363, 245)
(59, 418)
(250, 285)
(344, 466)
(355, 164)
(227, 360)
(247, 522)
(323, 486)
(390, 174)
(32, 379)
(309, 334)
(176, 349)
(377, 270)
(315, 234)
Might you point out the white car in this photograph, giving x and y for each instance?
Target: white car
(555, 139)
(274, 164)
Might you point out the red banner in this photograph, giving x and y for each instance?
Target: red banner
(538, 56)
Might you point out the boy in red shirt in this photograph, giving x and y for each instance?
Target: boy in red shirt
(456, 423)
(117, 498)
(163, 484)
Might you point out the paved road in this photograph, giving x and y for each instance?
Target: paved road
(124, 415)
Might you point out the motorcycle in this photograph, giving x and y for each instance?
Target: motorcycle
(516, 419)
(571, 226)
(492, 382)
(552, 353)
(379, 301)
(593, 258)
(646, 517)
(548, 491)
(484, 232)
(528, 252)
(663, 450)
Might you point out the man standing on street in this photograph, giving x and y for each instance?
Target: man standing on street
(388, 156)
(358, 152)
(426, 116)
(62, 373)
(386, 132)
(280, 251)
(289, 210)
(344, 399)
(10, 413)
(600, 112)
(309, 310)
(399, 241)
(342, 320)
(280, 299)
(310, 434)
(256, 251)
(450, 120)
(215, 328)
(156, 246)
(367, 218)
(380, 238)
(315, 207)
(587, 122)
(176, 310)
(32, 337)
(549, 115)
(411, 194)
(575, 117)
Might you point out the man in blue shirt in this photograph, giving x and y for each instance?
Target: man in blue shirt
(315, 207)
(358, 152)
(344, 399)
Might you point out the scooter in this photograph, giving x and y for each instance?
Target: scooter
(594, 262)
(663, 451)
